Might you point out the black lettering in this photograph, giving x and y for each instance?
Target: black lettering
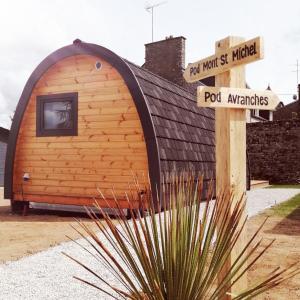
(243, 52)
(195, 70)
(226, 58)
(210, 64)
(206, 96)
(206, 65)
(261, 101)
(248, 100)
(215, 97)
(235, 55)
(254, 51)
(266, 101)
(235, 99)
(247, 51)
(223, 59)
(243, 100)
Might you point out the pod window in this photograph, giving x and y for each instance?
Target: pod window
(57, 115)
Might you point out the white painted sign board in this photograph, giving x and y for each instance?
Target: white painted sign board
(236, 98)
(223, 61)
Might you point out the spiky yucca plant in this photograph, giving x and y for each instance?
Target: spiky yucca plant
(176, 253)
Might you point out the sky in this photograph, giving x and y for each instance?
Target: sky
(32, 29)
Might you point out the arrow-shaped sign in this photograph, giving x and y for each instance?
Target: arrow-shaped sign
(236, 98)
(243, 53)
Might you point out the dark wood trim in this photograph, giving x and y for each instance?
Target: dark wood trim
(248, 172)
(41, 100)
(137, 94)
(70, 200)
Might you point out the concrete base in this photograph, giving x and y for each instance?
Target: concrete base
(258, 184)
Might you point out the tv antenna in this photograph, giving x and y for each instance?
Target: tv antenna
(150, 8)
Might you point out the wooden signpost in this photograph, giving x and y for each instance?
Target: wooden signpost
(231, 99)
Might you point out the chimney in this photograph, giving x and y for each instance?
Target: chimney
(166, 58)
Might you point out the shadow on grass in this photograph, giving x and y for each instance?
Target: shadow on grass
(290, 212)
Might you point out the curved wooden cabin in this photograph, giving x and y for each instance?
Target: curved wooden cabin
(88, 120)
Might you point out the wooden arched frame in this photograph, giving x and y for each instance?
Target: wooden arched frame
(122, 67)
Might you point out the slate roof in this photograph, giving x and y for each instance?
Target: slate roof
(185, 132)
(4, 133)
(2, 161)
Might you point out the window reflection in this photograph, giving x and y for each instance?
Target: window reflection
(58, 115)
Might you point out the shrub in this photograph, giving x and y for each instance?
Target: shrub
(176, 253)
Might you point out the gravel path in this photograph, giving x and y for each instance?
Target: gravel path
(48, 274)
(260, 199)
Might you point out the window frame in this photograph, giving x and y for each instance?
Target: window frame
(40, 102)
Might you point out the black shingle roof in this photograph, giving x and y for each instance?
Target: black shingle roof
(185, 132)
(4, 133)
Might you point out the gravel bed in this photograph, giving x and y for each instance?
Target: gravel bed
(261, 199)
(48, 274)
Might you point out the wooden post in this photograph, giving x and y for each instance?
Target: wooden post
(231, 99)
(230, 134)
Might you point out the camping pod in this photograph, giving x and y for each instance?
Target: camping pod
(88, 121)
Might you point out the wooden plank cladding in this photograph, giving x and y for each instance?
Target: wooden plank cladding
(129, 119)
(110, 146)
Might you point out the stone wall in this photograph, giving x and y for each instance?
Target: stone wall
(290, 111)
(2, 162)
(274, 150)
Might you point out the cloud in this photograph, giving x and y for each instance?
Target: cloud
(32, 29)
(292, 36)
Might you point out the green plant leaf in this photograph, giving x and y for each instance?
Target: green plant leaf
(179, 251)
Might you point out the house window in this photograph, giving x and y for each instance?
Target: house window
(57, 115)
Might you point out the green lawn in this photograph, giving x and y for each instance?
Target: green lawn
(284, 186)
(289, 207)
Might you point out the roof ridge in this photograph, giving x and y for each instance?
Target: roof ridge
(293, 102)
(160, 77)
